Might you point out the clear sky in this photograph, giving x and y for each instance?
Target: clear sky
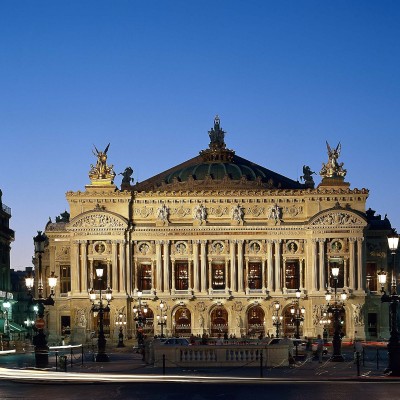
(149, 77)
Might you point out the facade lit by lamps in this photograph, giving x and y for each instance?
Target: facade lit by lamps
(335, 309)
(393, 298)
(100, 308)
(39, 340)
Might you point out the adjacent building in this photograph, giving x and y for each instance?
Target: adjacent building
(221, 241)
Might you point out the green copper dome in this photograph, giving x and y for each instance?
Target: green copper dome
(217, 167)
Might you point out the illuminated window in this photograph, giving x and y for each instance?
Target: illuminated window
(181, 276)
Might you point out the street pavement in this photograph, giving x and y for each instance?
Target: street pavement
(127, 361)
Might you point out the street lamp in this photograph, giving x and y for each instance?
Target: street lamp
(276, 318)
(324, 321)
(297, 313)
(140, 312)
(297, 316)
(39, 340)
(393, 298)
(121, 322)
(162, 319)
(100, 309)
(335, 309)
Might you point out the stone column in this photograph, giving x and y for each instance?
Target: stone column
(129, 267)
(122, 270)
(75, 267)
(270, 276)
(352, 268)
(196, 269)
(232, 251)
(210, 281)
(360, 275)
(314, 275)
(158, 266)
(278, 285)
(84, 278)
(166, 266)
(114, 262)
(190, 276)
(109, 281)
(203, 260)
(135, 276)
(322, 278)
(240, 266)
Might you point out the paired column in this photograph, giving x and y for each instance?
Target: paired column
(232, 251)
(196, 269)
(277, 265)
(321, 264)
(158, 267)
(352, 269)
(166, 266)
(84, 277)
(240, 266)
(314, 275)
(270, 284)
(360, 281)
(203, 266)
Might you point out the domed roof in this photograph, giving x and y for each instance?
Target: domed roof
(217, 166)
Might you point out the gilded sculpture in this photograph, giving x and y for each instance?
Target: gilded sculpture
(101, 171)
(333, 169)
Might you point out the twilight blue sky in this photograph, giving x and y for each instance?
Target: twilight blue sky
(149, 77)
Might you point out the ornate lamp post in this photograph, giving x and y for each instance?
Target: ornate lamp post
(276, 318)
(162, 319)
(335, 309)
(297, 316)
(140, 312)
(393, 298)
(121, 322)
(297, 313)
(39, 340)
(100, 309)
(324, 321)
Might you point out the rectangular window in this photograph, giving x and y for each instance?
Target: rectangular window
(144, 277)
(218, 276)
(65, 278)
(292, 275)
(254, 275)
(181, 276)
(372, 277)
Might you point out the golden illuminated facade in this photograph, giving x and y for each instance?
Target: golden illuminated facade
(220, 240)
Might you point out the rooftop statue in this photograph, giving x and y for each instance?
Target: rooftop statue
(333, 169)
(126, 175)
(307, 176)
(101, 170)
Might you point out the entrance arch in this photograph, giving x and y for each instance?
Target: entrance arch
(182, 322)
(219, 321)
(255, 322)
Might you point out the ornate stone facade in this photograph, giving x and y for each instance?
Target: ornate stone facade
(219, 239)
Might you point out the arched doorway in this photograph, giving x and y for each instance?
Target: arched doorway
(255, 322)
(182, 322)
(219, 321)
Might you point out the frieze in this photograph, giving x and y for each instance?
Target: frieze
(341, 218)
(97, 220)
